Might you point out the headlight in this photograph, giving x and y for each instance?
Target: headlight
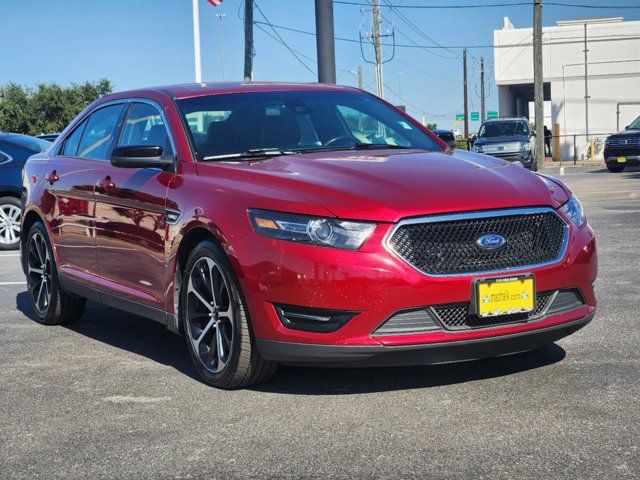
(329, 232)
(477, 148)
(525, 146)
(573, 210)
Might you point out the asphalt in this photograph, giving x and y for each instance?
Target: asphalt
(116, 396)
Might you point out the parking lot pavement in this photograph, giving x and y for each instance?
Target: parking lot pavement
(116, 397)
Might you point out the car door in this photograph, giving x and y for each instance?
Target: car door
(130, 213)
(69, 188)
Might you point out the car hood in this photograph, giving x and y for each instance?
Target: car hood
(386, 185)
(626, 134)
(505, 139)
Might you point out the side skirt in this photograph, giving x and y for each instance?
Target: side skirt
(131, 306)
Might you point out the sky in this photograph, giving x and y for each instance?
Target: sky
(139, 43)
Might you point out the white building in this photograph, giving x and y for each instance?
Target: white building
(612, 78)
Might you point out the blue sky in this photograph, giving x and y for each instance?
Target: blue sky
(137, 43)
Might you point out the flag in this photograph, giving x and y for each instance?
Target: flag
(214, 3)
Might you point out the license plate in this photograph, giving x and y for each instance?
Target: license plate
(505, 296)
(622, 159)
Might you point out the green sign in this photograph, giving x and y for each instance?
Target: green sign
(475, 116)
(460, 117)
(491, 114)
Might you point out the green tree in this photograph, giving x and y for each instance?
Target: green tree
(48, 108)
(432, 126)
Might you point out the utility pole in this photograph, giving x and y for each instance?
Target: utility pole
(360, 77)
(482, 98)
(221, 17)
(538, 80)
(325, 42)
(377, 21)
(586, 84)
(466, 103)
(248, 40)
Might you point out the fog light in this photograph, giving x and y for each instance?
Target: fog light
(313, 319)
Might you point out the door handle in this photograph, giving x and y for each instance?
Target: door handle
(106, 185)
(52, 178)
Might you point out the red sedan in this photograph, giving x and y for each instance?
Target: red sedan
(304, 224)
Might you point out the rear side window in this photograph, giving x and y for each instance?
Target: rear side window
(144, 126)
(99, 132)
(73, 141)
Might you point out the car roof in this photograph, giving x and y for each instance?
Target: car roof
(441, 130)
(189, 90)
(505, 119)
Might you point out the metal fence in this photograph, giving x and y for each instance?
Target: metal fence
(574, 149)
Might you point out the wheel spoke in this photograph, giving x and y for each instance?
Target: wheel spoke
(207, 327)
(41, 256)
(40, 290)
(3, 214)
(31, 270)
(222, 358)
(197, 294)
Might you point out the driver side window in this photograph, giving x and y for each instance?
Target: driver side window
(145, 126)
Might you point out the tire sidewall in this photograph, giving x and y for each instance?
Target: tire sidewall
(209, 249)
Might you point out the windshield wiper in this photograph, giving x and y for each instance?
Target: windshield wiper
(252, 153)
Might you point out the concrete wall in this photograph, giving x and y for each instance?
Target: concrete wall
(614, 75)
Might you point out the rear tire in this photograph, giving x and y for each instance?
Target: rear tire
(615, 168)
(10, 216)
(50, 303)
(216, 323)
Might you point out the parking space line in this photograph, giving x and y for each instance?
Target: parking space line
(12, 283)
(9, 255)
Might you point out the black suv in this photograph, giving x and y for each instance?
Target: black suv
(623, 148)
(507, 138)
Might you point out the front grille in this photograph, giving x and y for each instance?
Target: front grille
(447, 245)
(623, 142)
(457, 317)
(497, 148)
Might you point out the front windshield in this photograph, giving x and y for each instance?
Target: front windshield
(635, 125)
(504, 129)
(302, 121)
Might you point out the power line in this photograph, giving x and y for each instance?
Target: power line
(433, 7)
(282, 41)
(497, 5)
(564, 41)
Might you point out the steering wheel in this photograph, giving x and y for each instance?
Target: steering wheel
(333, 141)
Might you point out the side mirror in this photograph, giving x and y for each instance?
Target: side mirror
(533, 133)
(627, 127)
(140, 156)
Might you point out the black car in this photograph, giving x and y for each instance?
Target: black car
(447, 136)
(509, 139)
(623, 148)
(14, 151)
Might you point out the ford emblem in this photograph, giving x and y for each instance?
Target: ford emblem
(491, 241)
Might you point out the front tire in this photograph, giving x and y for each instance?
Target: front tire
(50, 303)
(216, 323)
(615, 168)
(10, 215)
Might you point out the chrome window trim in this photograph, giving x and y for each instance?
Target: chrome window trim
(480, 214)
(9, 158)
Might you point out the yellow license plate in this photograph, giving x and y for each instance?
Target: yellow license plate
(622, 159)
(505, 296)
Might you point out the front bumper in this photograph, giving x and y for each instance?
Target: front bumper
(377, 284)
(427, 354)
(612, 158)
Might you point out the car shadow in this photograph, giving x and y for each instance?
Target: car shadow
(344, 381)
(151, 340)
(625, 172)
(128, 332)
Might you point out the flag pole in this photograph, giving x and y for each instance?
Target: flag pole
(196, 41)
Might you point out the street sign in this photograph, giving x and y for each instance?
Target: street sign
(475, 116)
(491, 114)
(459, 117)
